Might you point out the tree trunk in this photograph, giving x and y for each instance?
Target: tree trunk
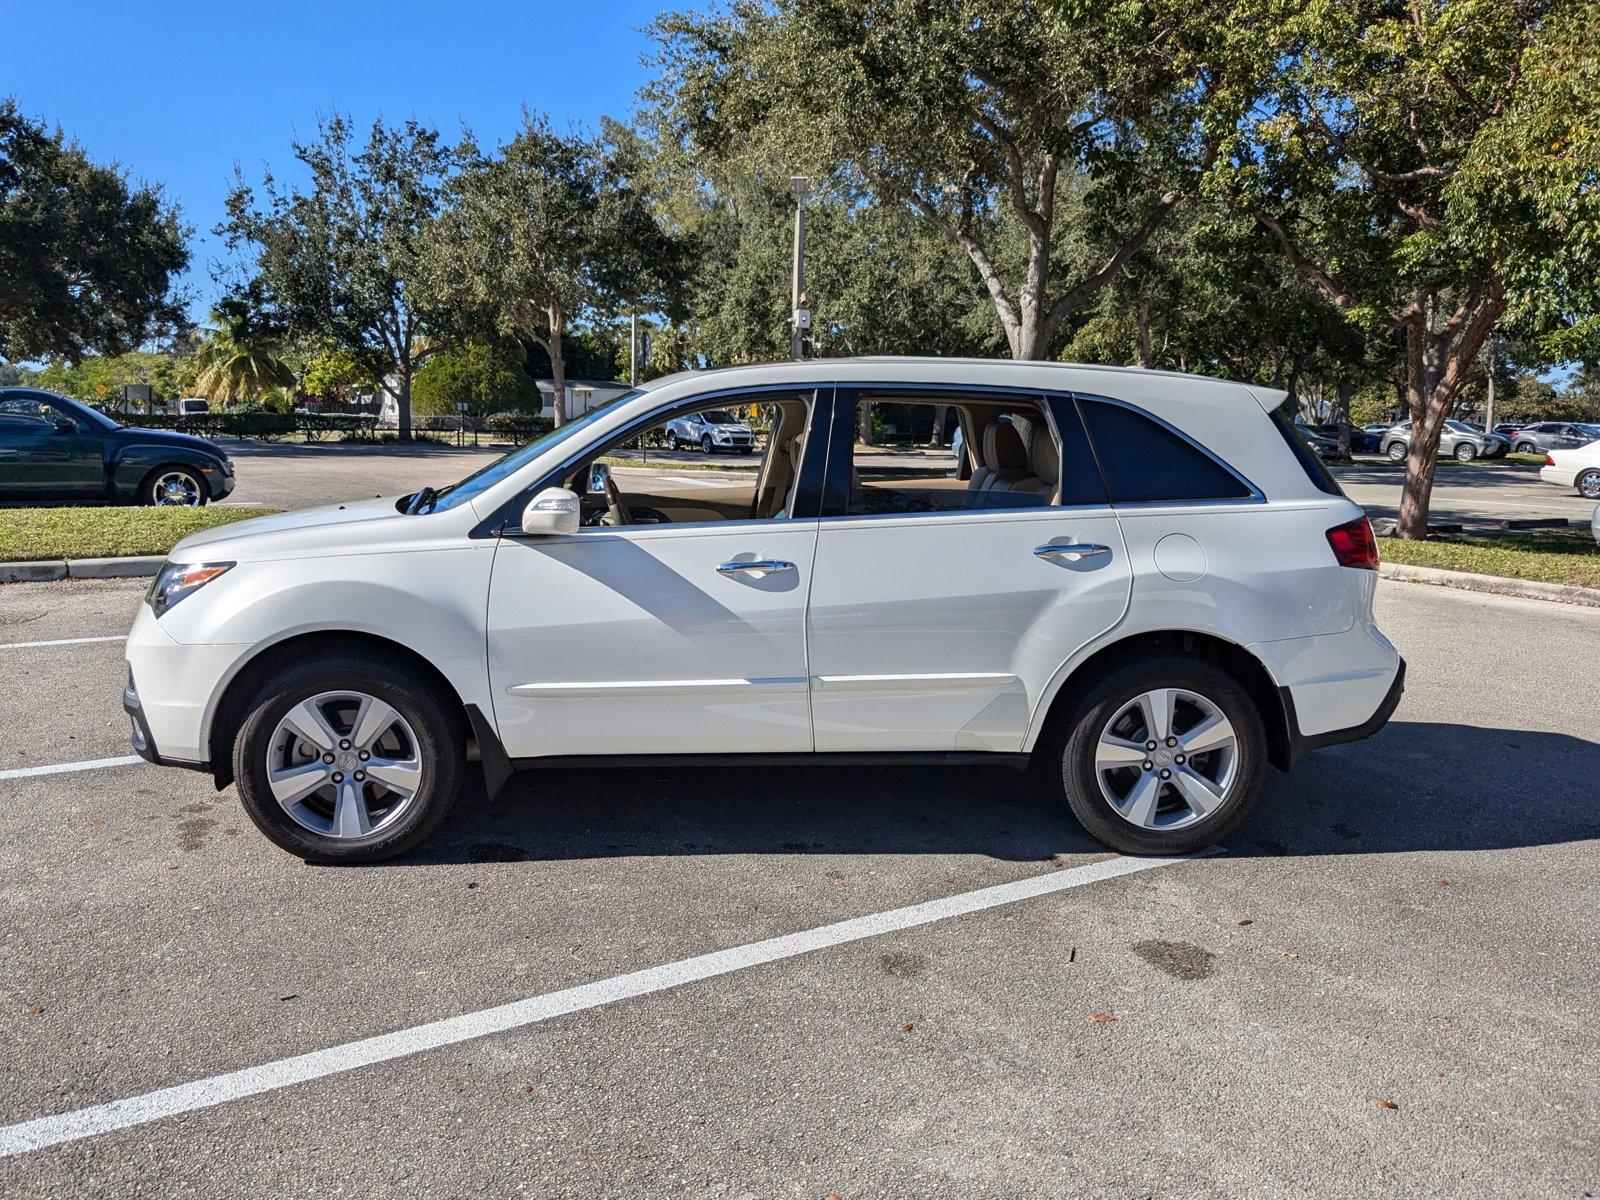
(936, 438)
(1142, 316)
(864, 424)
(558, 364)
(1341, 414)
(1436, 368)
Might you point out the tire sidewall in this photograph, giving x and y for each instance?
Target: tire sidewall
(1393, 457)
(440, 738)
(1593, 476)
(1076, 775)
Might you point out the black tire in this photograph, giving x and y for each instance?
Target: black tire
(441, 746)
(1527, 448)
(154, 483)
(1466, 452)
(1072, 753)
(672, 440)
(1588, 485)
(705, 442)
(1396, 451)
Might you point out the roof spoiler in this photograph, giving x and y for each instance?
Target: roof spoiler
(1269, 398)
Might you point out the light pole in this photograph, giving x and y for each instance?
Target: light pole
(800, 316)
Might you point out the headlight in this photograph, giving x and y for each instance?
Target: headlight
(177, 580)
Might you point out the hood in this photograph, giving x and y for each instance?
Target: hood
(169, 437)
(306, 530)
(733, 427)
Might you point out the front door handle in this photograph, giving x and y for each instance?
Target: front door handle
(1071, 551)
(764, 566)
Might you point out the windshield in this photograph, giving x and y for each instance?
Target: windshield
(510, 464)
(721, 416)
(1461, 427)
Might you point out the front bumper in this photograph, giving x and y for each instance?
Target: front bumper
(219, 480)
(171, 692)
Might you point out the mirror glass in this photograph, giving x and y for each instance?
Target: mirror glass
(598, 474)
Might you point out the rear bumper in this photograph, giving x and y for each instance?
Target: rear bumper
(1301, 744)
(1560, 476)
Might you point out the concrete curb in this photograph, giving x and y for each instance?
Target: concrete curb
(1527, 589)
(82, 568)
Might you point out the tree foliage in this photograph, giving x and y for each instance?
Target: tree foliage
(479, 376)
(87, 259)
(341, 258)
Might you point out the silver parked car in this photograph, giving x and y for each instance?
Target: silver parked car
(1554, 435)
(1458, 440)
(713, 431)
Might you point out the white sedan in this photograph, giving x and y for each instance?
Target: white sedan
(1579, 468)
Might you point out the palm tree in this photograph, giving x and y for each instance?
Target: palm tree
(236, 367)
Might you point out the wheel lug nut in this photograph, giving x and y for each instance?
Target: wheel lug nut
(360, 775)
(344, 743)
(1166, 774)
(1178, 759)
(338, 777)
(327, 758)
(365, 756)
(1149, 745)
(1148, 765)
(1172, 741)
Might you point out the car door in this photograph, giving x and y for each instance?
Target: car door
(938, 617)
(47, 455)
(670, 639)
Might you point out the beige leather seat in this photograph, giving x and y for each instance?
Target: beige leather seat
(1044, 465)
(1005, 459)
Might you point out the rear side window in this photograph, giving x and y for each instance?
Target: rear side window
(1146, 463)
(1310, 461)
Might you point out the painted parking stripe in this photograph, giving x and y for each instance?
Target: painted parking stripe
(253, 1081)
(93, 764)
(115, 637)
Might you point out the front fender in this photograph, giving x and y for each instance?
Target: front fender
(126, 466)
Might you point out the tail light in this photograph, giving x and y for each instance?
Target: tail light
(1549, 460)
(1353, 544)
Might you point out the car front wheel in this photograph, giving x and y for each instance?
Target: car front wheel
(1164, 755)
(174, 487)
(1466, 452)
(1588, 485)
(705, 443)
(1397, 451)
(349, 760)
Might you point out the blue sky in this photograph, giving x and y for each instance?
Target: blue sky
(179, 94)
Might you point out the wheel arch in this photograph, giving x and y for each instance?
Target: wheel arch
(229, 711)
(1243, 666)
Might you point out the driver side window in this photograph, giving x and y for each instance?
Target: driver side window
(742, 464)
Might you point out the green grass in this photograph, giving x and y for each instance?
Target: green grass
(53, 533)
(1549, 555)
(729, 463)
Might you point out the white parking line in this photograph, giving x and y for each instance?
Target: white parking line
(115, 637)
(253, 1081)
(93, 764)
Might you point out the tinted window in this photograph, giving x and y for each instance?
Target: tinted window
(1310, 461)
(1144, 462)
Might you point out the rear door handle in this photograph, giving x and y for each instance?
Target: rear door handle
(764, 566)
(1071, 551)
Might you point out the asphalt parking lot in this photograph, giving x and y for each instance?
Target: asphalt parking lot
(298, 476)
(1388, 985)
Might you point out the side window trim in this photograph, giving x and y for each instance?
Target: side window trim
(1256, 495)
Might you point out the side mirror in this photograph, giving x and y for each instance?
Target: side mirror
(66, 425)
(598, 474)
(553, 511)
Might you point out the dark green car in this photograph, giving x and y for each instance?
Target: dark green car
(55, 450)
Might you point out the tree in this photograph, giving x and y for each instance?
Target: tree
(479, 376)
(342, 259)
(87, 261)
(548, 231)
(236, 365)
(984, 118)
(1429, 167)
(330, 369)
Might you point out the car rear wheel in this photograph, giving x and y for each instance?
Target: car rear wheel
(348, 760)
(1396, 451)
(672, 440)
(1163, 756)
(1466, 452)
(1588, 485)
(173, 487)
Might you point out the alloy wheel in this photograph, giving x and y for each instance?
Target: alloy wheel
(1589, 485)
(1167, 759)
(175, 489)
(344, 764)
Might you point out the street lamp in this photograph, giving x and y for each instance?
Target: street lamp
(800, 315)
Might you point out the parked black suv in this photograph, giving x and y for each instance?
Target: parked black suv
(53, 449)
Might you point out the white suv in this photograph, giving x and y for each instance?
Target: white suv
(1144, 583)
(712, 431)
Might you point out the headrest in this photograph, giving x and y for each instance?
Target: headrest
(1044, 458)
(1002, 447)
